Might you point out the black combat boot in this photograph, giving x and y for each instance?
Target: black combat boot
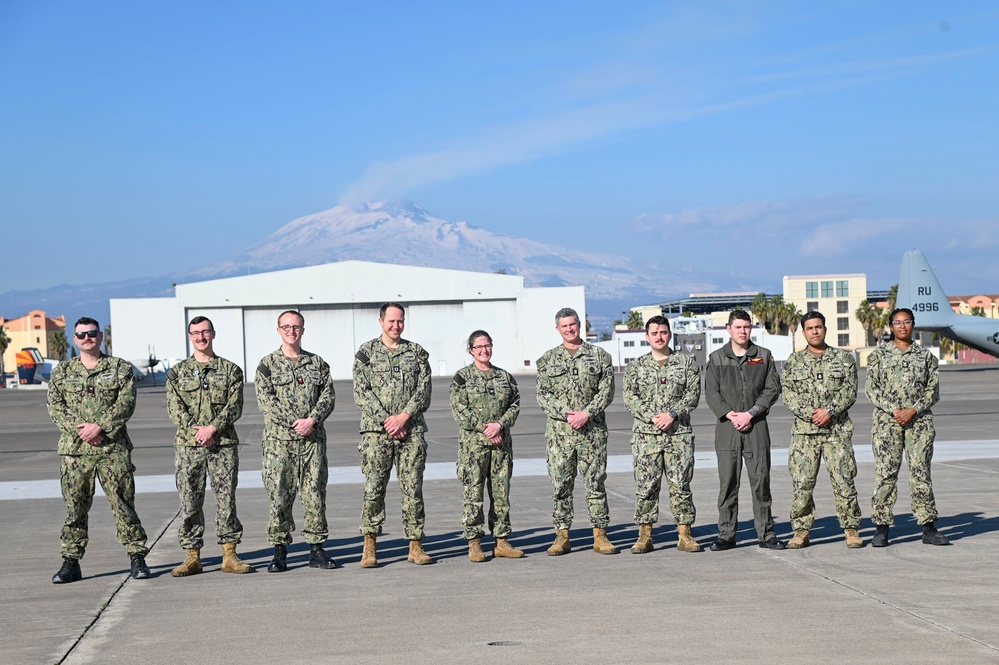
(140, 571)
(880, 538)
(279, 563)
(70, 572)
(933, 537)
(318, 559)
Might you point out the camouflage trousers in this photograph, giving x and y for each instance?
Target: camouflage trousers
(485, 467)
(116, 474)
(656, 455)
(587, 454)
(289, 468)
(193, 464)
(803, 459)
(379, 452)
(889, 440)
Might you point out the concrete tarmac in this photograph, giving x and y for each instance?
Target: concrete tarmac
(908, 603)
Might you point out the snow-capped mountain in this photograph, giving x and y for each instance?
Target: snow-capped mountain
(398, 232)
(403, 232)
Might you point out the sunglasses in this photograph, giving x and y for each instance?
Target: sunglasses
(92, 334)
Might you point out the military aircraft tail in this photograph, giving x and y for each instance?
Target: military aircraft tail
(920, 291)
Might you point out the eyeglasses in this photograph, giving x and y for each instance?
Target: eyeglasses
(482, 347)
(291, 328)
(201, 333)
(902, 322)
(92, 334)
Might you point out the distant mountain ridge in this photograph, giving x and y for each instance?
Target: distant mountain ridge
(403, 232)
(397, 232)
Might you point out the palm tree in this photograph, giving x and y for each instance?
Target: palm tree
(4, 343)
(778, 313)
(892, 297)
(793, 319)
(107, 339)
(58, 345)
(760, 307)
(867, 315)
(978, 311)
(635, 321)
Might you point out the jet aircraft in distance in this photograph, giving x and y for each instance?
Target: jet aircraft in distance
(919, 290)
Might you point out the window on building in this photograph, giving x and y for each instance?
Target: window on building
(842, 307)
(843, 323)
(811, 289)
(645, 343)
(813, 306)
(630, 342)
(842, 288)
(628, 360)
(38, 340)
(844, 339)
(717, 340)
(827, 289)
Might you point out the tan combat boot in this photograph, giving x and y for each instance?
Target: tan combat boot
(504, 550)
(853, 540)
(231, 562)
(685, 542)
(191, 565)
(369, 556)
(600, 543)
(561, 544)
(417, 555)
(475, 554)
(800, 540)
(644, 542)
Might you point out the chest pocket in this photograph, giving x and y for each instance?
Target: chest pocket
(282, 378)
(913, 374)
(217, 387)
(556, 370)
(189, 384)
(676, 380)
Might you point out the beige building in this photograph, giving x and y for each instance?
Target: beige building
(988, 303)
(33, 329)
(837, 298)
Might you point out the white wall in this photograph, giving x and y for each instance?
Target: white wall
(538, 308)
(139, 325)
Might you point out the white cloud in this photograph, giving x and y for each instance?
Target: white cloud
(838, 238)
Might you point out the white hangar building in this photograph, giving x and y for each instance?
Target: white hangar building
(340, 303)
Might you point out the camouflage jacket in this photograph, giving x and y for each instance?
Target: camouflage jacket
(825, 382)
(738, 383)
(651, 389)
(583, 382)
(390, 382)
(907, 379)
(210, 395)
(104, 396)
(479, 398)
(289, 390)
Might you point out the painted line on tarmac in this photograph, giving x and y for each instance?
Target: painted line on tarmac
(944, 451)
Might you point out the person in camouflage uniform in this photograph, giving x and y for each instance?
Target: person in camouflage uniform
(575, 386)
(392, 390)
(740, 385)
(90, 399)
(485, 402)
(204, 401)
(661, 389)
(903, 382)
(295, 394)
(820, 386)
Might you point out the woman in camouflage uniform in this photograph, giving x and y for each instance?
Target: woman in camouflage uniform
(485, 402)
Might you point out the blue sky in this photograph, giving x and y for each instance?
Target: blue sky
(755, 139)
